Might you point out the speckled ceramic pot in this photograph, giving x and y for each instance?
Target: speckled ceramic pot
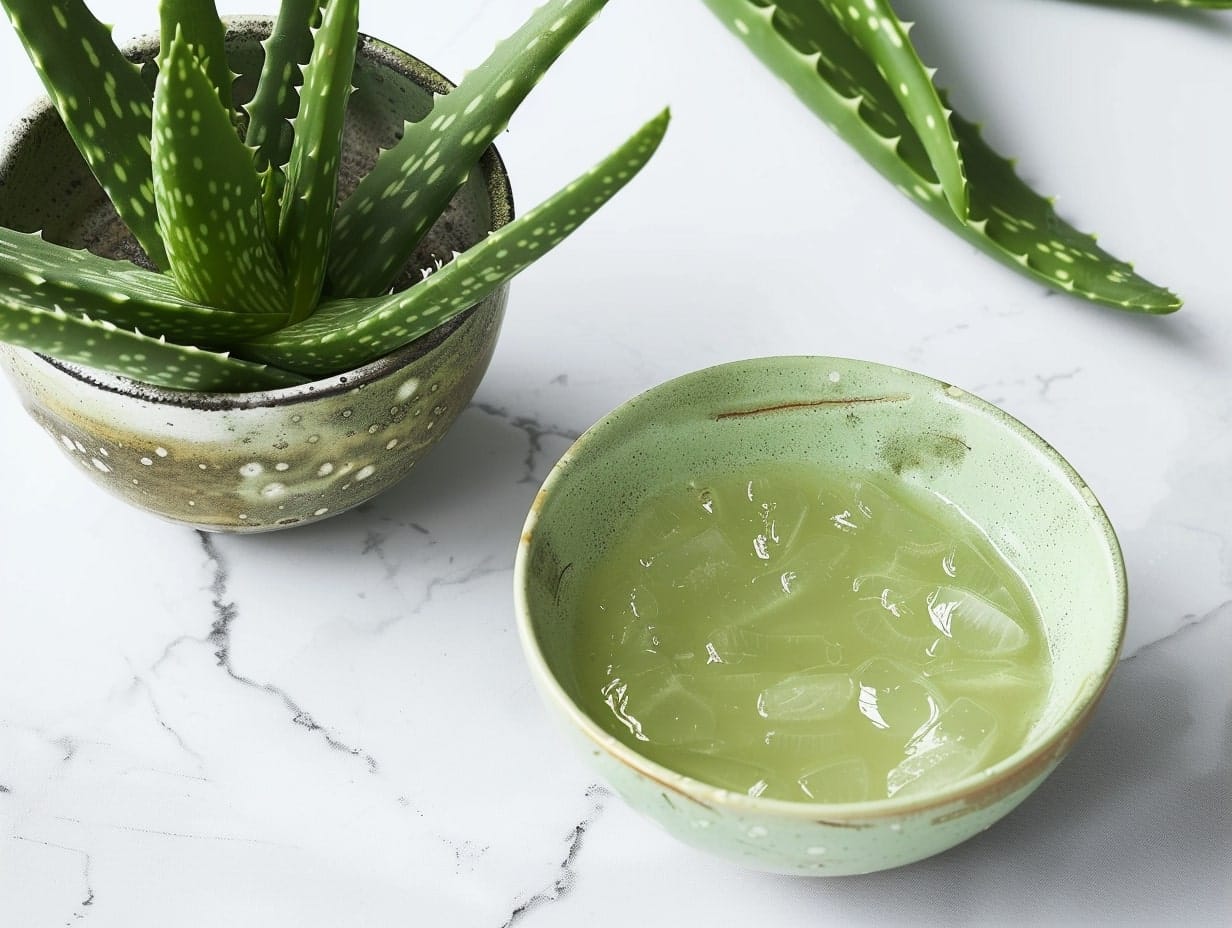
(858, 416)
(260, 461)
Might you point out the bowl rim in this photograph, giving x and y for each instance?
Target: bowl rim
(379, 53)
(980, 788)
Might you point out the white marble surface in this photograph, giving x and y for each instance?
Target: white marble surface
(333, 726)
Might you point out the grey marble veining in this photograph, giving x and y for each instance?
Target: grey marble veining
(219, 638)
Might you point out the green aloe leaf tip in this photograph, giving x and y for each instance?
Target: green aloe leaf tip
(802, 43)
(377, 228)
(209, 195)
(345, 333)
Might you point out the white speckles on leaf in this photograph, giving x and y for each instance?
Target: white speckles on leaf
(214, 263)
(461, 127)
(77, 70)
(845, 88)
(356, 330)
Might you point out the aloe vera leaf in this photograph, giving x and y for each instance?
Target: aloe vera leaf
(204, 31)
(883, 37)
(209, 195)
(345, 333)
(1024, 226)
(377, 228)
(37, 273)
(275, 102)
(272, 181)
(79, 339)
(799, 41)
(103, 102)
(312, 173)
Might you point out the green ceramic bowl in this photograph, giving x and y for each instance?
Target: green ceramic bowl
(858, 416)
(256, 461)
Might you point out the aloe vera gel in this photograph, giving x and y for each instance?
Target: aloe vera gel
(798, 634)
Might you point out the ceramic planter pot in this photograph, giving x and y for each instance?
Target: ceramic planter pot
(258, 461)
(856, 416)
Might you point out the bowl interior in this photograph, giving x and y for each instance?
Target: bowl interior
(858, 417)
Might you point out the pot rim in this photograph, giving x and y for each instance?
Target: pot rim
(983, 788)
(500, 200)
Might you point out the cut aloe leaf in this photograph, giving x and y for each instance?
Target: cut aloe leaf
(377, 228)
(312, 173)
(883, 37)
(79, 339)
(346, 333)
(275, 102)
(800, 42)
(209, 195)
(103, 102)
(203, 30)
(36, 273)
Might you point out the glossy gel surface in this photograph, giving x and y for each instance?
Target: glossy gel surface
(798, 634)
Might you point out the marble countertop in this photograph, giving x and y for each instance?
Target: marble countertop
(333, 725)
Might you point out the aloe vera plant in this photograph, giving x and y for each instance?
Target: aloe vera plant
(852, 63)
(262, 280)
